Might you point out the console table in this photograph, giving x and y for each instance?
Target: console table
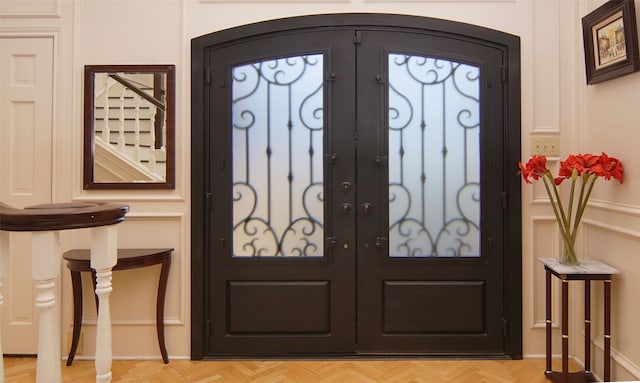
(588, 270)
(78, 260)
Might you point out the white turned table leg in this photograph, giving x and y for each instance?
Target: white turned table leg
(4, 272)
(45, 270)
(104, 255)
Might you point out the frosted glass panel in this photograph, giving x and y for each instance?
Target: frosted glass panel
(434, 156)
(277, 157)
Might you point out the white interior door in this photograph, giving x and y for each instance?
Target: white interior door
(26, 127)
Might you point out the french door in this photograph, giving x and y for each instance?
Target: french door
(354, 195)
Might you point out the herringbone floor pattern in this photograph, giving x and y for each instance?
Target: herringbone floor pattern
(22, 370)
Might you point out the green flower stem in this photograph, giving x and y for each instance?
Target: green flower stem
(560, 217)
(581, 202)
(548, 180)
(574, 175)
(570, 251)
(582, 206)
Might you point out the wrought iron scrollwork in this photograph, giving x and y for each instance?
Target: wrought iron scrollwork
(433, 155)
(278, 121)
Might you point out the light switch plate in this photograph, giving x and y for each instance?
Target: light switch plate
(548, 145)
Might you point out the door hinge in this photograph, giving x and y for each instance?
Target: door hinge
(505, 72)
(357, 37)
(207, 75)
(505, 327)
(381, 161)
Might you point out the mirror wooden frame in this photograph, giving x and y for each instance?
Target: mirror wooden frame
(89, 158)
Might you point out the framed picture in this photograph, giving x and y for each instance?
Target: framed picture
(610, 38)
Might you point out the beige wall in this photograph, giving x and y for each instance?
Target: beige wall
(555, 100)
(610, 116)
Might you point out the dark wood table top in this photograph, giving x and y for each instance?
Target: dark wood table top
(61, 216)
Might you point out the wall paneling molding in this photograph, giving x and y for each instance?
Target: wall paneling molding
(26, 8)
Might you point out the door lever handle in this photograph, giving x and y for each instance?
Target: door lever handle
(366, 208)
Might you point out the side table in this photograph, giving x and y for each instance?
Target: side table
(588, 270)
(127, 259)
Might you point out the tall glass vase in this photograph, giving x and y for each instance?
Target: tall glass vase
(568, 256)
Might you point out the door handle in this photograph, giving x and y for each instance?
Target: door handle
(345, 207)
(366, 208)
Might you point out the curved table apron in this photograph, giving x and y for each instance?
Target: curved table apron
(44, 221)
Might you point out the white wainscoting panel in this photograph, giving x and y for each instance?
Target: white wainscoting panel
(545, 243)
(29, 8)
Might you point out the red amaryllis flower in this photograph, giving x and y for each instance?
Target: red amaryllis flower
(583, 170)
(608, 167)
(578, 163)
(567, 166)
(535, 168)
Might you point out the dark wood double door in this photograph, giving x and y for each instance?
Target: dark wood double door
(354, 196)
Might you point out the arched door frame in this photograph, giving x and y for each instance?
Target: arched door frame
(200, 78)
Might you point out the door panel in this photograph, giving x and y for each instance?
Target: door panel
(429, 261)
(414, 307)
(273, 307)
(280, 283)
(355, 207)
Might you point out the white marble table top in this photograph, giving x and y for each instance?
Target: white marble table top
(586, 266)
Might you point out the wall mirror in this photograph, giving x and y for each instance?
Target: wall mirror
(129, 127)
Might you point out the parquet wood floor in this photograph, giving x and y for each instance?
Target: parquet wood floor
(22, 370)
